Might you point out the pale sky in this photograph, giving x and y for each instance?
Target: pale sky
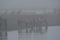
(29, 4)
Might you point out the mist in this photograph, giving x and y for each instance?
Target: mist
(29, 4)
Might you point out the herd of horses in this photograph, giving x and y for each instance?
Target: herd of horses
(32, 22)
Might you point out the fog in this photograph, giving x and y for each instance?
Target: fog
(53, 33)
(29, 4)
